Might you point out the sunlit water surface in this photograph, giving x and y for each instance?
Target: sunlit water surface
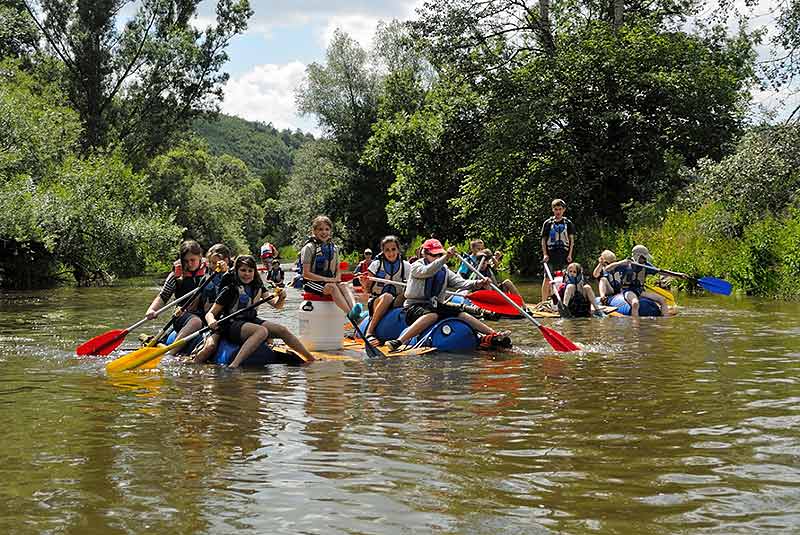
(681, 425)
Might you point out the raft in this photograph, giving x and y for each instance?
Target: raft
(226, 351)
(647, 307)
(450, 335)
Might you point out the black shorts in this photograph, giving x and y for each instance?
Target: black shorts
(558, 260)
(314, 287)
(415, 312)
(232, 330)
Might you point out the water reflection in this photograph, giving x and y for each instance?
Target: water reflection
(660, 426)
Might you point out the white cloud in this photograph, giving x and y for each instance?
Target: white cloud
(359, 27)
(266, 93)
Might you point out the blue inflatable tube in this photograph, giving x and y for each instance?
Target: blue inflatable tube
(448, 335)
(226, 352)
(647, 307)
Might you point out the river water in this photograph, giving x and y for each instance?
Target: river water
(683, 425)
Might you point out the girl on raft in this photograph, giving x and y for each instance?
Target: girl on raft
(219, 258)
(320, 260)
(247, 329)
(389, 264)
(187, 274)
(634, 272)
(428, 282)
(578, 295)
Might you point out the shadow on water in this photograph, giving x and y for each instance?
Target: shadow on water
(656, 426)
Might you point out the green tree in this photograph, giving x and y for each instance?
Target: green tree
(18, 35)
(141, 81)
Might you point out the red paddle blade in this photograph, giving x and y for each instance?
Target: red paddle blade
(558, 341)
(102, 344)
(494, 302)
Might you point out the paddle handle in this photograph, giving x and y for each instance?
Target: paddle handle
(205, 329)
(403, 284)
(552, 283)
(498, 290)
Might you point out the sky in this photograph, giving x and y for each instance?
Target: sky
(268, 62)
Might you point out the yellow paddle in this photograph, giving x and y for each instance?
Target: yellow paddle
(144, 356)
(666, 294)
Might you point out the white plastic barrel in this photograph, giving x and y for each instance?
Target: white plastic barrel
(321, 323)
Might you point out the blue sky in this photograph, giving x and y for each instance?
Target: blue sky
(268, 62)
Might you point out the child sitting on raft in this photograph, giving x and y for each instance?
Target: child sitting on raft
(428, 282)
(475, 247)
(634, 272)
(320, 260)
(389, 264)
(485, 264)
(218, 258)
(608, 284)
(578, 295)
(275, 275)
(248, 330)
(187, 274)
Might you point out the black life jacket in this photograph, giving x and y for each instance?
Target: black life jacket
(435, 284)
(323, 257)
(275, 275)
(388, 270)
(634, 277)
(614, 279)
(188, 281)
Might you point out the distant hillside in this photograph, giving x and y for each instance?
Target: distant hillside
(267, 151)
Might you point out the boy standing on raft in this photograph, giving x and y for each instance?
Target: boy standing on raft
(558, 241)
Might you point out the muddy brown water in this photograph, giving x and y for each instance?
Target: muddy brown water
(682, 425)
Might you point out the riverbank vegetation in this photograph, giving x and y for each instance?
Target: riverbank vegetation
(464, 122)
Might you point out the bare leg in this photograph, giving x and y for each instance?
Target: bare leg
(605, 288)
(254, 336)
(569, 293)
(545, 289)
(588, 293)
(660, 300)
(209, 348)
(379, 308)
(418, 326)
(475, 323)
(279, 331)
(633, 299)
(193, 325)
(342, 299)
(509, 287)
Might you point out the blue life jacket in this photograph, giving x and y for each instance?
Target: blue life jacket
(435, 284)
(246, 294)
(323, 257)
(559, 235)
(212, 289)
(387, 270)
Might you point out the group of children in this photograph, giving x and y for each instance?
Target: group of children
(222, 291)
(420, 287)
(625, 277)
